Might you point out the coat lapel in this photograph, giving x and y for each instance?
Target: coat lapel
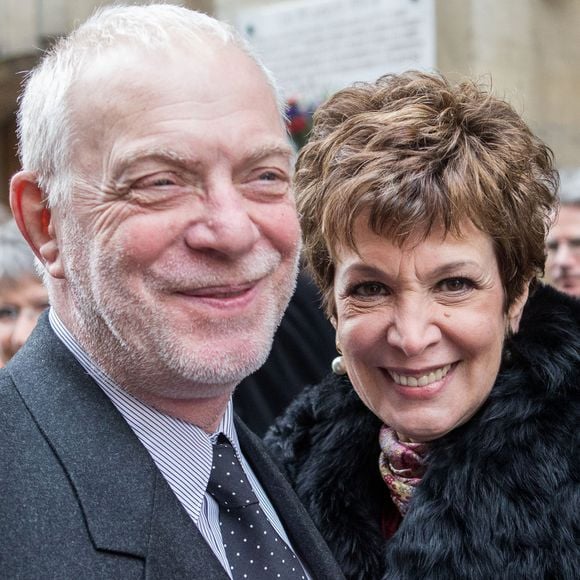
(177, 550)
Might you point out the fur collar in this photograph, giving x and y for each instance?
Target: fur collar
(500, 497)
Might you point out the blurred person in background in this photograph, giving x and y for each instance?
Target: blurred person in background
(22, 295)
(563, 264)
(446, 446)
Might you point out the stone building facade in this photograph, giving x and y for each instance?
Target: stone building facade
(526, 47)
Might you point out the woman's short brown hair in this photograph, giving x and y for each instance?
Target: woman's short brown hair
(414, 151)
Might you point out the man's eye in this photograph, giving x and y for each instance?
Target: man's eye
(269, 176)
(162, 182)
(455, 284)
(265, 185)
(156, 181)
(8, 312)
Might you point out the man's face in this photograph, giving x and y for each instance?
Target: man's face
(180, 250)
(563, 264)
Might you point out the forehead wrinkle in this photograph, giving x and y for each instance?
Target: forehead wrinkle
(453, 267)
(177, 157)
(365, 267)
(172, 156)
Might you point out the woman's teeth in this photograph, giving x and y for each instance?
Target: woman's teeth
(422, 380)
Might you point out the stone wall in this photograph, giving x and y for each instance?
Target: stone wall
(528, 49)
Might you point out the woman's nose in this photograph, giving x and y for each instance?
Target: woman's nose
(413, 328)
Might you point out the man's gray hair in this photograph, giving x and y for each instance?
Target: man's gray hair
(16, 258)
(569, 192)
(44, 126)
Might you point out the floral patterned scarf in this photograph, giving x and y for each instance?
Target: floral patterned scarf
(402, 466)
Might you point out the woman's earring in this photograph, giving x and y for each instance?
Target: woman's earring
(338, 366)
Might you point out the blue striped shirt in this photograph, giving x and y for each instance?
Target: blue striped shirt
(182, 452)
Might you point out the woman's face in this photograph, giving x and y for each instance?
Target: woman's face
(421, 327)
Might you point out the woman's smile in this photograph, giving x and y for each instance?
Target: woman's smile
(423, 378)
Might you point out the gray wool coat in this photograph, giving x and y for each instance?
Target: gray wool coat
(80, 497)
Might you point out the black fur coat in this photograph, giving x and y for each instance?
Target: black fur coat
(500, 498)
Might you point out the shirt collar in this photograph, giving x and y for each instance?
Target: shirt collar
(181, 451)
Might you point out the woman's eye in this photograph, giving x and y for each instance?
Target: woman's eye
(455, 284)
(368, 290)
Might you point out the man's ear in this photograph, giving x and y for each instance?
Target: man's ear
(34, 220)
(516, 310)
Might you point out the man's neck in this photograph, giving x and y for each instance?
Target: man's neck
(205, 413)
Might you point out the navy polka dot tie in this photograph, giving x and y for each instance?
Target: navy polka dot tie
(254, 550)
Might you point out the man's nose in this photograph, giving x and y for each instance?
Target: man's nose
(413, 327)
(226, 226)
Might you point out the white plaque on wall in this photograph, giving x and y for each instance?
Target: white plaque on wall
(315, 47)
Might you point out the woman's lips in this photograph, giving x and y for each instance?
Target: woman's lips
(420, 385)
(419, 379)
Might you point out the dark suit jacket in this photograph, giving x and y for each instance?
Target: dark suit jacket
(80, 496)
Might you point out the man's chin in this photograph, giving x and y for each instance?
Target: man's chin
(219, 368)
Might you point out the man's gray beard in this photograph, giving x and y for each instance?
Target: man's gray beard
(227, 368)
(174, 371)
